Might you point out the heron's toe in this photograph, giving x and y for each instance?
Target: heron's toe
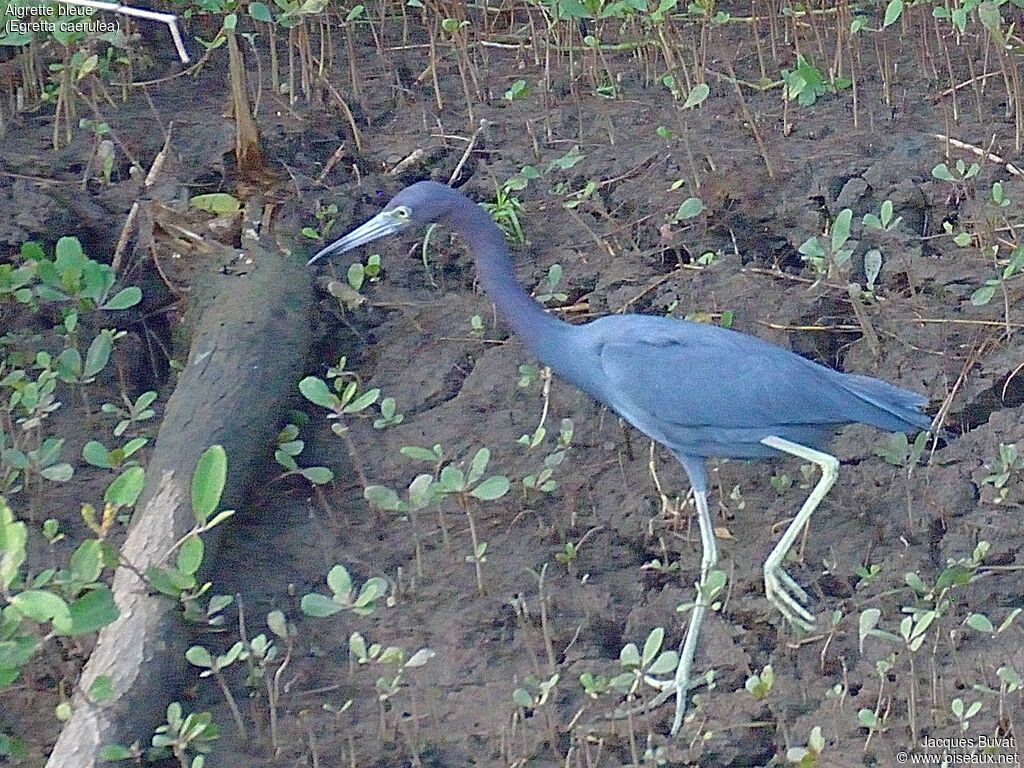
(789, 597)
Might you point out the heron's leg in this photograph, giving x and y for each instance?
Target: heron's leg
(779, 587)
(709, 558)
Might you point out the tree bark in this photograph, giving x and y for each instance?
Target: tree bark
(247, 351)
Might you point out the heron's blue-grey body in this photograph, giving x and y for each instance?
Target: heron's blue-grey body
(700, 390)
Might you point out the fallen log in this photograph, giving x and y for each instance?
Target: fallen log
(247, 351)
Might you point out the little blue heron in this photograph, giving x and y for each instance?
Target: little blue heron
(700, 390)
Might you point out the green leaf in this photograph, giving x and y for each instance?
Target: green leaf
(522, 698)
(364, 401)
(983, 295)
(989, 16)
(382, 498)
(59, 473)
(169, 581)
(841, 229)
(125, 489)
(340, 582)
(697, 95)
(478, 465)
(113, 753)
(355, 276)
(260, 12)
(317, 475)
(125, 298)
(492, 488)
(664, 664)
(93, 611)
(68, 251)
(98, 356)
(216, 202)
(190, 555)
(96, 454)
(199, 657)
(868, 621)
(42, 606)
(980, 623)
(87, 561)
(421, 454)
(13, 538)
(452, 479)
(317, 392)
(368, 594)
(690, 208)
(319, 606)
(652, 645)
(892, 12)
(629, 656)
(208, 482)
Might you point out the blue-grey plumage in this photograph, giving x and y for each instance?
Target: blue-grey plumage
(700, 390)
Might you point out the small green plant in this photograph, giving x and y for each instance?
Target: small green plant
(866, 574)
(1008, 269)
(325, 218)
(805, 83)
(214, 666)
(638, 665)
(341, 397)
(999, 197)
(103, 148)
(287, 450)
(133, 413)
(760, 684)
(504, 211)
(781, 482)
(964, 712)
(389, 416)
(73, 288)
(1006, 472)
(807, 757)
(179, 581)
(535, 692)
(829, 253)
(883, 220)
(58, 602)
(958, 175)
(183, 734)
(98, 455)
(665, 567)
(467, 488)
(344, 596)
(518, 90)
(528, 373)
(548, 291)
(542, 481)
(359, 273)
(708, 593)
(505, 207)
(898, 451)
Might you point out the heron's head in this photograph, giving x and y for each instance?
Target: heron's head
(414, 207)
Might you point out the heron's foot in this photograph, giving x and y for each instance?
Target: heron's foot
(667, 689)
(789, 597)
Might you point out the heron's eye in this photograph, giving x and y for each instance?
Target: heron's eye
(402, 212)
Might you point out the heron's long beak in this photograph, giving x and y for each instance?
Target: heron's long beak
(383, 224)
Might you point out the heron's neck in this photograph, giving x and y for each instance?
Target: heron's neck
(540, 331)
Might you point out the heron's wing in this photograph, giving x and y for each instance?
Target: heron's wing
(692, 376)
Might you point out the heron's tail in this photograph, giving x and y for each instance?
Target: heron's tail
(900, 408)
